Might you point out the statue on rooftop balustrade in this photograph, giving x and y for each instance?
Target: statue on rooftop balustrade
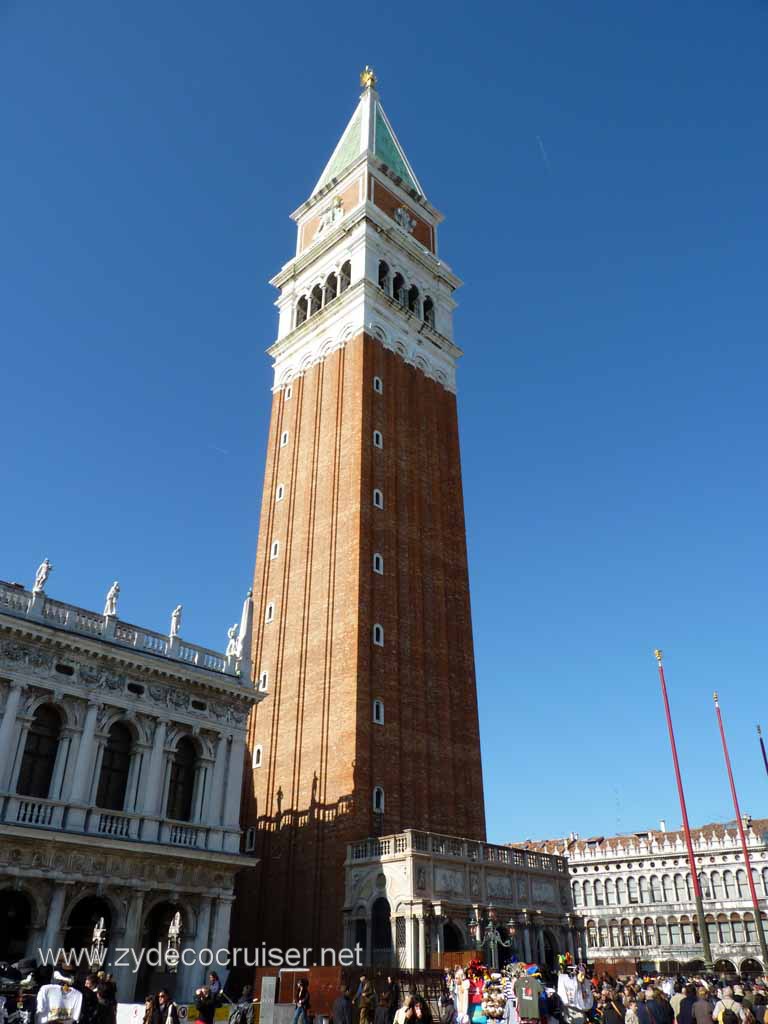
(42, 574)
(110, 606)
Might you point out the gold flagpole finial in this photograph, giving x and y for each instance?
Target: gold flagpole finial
(368, 77)
(657, 654)
(714, 696)
(759, 731)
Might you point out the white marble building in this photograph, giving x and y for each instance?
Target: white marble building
(636, 898)
(412, 897)
(121, 766)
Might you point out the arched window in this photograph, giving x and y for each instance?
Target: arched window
(650, 931)
(717, 885)
(765, 881)
(588, 896)
(378, 712)
(274, 551)
(738, 928)
(610, 892)
(270, 612)
(284, 439)
(378, 800)
(182, 784)
(429, 311)
(706, 890)
(657, 894)
(689, 886)
(345, 276)
(315, 300)
(637, 932)
(644, 890)
(663, 931)
(615, 932)
(302, 310)
(378, 385)
(331, 289)
(621, 894)
(378, 440)
(711, 928)
(384, 277)
(115, 765)
(280, 493)
(668, 889)
(378, 498)
(288, 394)
(39, 757)
(686, 931)
(413, 299)
(602, 930)
(750, 927)
(674, 931)
(398, 289)
(632, 890)
(723, 928)
(378, 635)
(250, 839)
(378, 564)
(599, 893)
(742, 886)
(577, 898)
(263, 682)
(592, 937)
(680, 893)
(257, 753)
(729, 884)
(626, 933)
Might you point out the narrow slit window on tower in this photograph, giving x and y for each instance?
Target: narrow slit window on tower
(275, 549)
(263, 682)
(331, 289)
(284, 439)
(398, 289)
(315, 300)
(378, 800)
(345, 276)
(280, 492)
(385, 278)
(378, 440)
(302, 310)
(378, 712)
(429, 312)
(289, 392)
(378, 385)
(250, 839)
(378, 564)
(378, 635)
(257, 756)
(270, 614)
(378, 498)
(413, 299)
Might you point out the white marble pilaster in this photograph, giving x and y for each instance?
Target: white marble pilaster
(52, 936)
(234, 783)
(8, 727)
(83, 771)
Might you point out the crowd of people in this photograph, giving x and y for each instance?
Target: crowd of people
(680, 1000)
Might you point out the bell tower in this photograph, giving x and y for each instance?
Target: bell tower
(362, 628)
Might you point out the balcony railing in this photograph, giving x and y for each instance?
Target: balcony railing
(460, 849)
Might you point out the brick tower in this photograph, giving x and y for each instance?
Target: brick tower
(363, 637)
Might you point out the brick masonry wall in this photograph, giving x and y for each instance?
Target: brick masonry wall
(322, 753)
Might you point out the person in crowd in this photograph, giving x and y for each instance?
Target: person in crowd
(168, 1011)
(381, 1014)
(631, 1017)
(611, 1007)
(151, 1010)
(405, 1014)
(727, 1002)
(301, 1012)
(341, 1012)
(447, 1008)
(421, 1011)
(684, 1013)
(392, 991)
(676, 997)
(367, 1003)
(702, 1008)
(205, 1004)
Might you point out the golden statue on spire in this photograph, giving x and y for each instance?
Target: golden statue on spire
(368, 78)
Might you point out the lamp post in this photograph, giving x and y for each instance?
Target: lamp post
(703, 933)
(487, 933)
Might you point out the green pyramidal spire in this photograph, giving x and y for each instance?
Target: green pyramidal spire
(369, 131)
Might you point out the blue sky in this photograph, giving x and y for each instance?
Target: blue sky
(602, 167)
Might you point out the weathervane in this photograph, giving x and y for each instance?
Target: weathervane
(367, 78)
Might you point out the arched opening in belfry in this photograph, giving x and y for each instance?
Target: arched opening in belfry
(331, 289)
(429, 311)
(16, 915)
(413, 299)
(398, 289)
(302, 310)
(315, 300)
(345, 276)
(385, 278)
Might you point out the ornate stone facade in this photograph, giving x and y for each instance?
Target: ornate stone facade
(635, 894)
(104, 730)
(411, 897)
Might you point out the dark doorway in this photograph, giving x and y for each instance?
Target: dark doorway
(381, 933)
(83, 921)
(16, 915)
(452, 941)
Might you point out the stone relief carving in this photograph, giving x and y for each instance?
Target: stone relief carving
(499, 887)
(421, 878)
(522, 890)
(542, 892)
(449, 881)
(474, 885)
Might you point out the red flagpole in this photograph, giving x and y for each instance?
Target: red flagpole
(762, 747)
(703, 933)
(740, 826)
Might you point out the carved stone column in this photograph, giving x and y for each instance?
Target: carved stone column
(8, 727)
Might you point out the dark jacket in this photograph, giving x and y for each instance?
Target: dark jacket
(702, 1012)
(206, 1008)
(169, 1014)
(342, 1010)
(685, 1013)
(660, 1010)
(613, 1012)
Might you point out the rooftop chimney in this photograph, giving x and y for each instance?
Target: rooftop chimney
(662, 825)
